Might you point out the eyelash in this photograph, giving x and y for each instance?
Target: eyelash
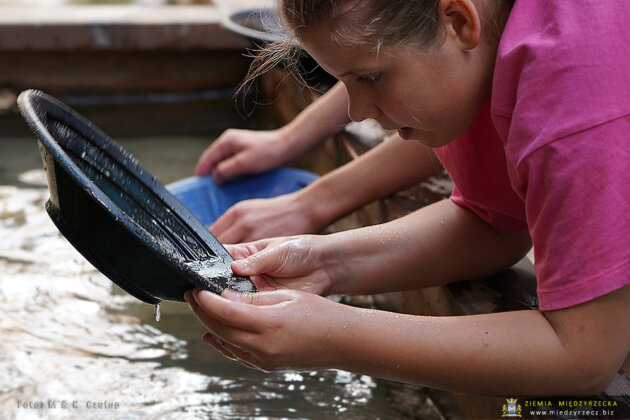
(370, 78)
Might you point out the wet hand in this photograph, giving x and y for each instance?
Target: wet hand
(296, 263)
(238, 152)
(275, 330)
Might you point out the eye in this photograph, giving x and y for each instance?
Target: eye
(370, 78)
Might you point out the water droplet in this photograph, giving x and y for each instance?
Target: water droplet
(156, 313)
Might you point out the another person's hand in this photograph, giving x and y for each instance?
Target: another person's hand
(276, 330)
(251, 220)
(296, 263)
(238, 152)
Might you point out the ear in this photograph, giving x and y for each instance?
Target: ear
(461, 21)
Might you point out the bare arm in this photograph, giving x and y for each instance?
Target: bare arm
(438, 244)
(389, 167)
(523, 353)
(325, 116)
(513, 353)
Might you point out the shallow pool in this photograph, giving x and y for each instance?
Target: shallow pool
(75, 346)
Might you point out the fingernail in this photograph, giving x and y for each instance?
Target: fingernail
(228, 293)
(200, 293)
(241, 265)
(187, 297)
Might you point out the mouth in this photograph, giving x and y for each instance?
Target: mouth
(405, 132)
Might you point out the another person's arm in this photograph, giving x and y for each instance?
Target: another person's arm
(389, 167)
(238, 152)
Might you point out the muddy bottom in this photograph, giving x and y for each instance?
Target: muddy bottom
(75, 346)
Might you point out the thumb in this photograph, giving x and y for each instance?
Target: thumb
(266, 261)
(214, 154)
(258, 298)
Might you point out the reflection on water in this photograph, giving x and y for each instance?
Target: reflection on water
(70, 337)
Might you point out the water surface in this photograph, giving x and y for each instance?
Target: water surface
(75, 346)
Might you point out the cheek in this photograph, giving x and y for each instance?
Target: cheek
(396, 103)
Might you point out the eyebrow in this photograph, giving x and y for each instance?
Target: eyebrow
(358, 72)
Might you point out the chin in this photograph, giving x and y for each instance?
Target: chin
(429, 139)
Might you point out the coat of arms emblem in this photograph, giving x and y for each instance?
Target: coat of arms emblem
(512, 408)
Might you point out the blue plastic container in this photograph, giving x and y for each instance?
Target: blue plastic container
(208, 201)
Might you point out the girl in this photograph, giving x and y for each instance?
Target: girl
(529, 114)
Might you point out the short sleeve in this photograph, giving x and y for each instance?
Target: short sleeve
(577, 197)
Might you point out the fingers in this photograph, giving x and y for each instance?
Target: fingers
(222, 228)
(226, 228)
(256, 300)
(219, 345)
(217, 312)
(226, 317)
(230, 351)
(265, 283)
(225, 158)
(255, 219)
(232, 311)
(244, 250)
(221, 332)
(267, 260)
(237, 164)
(218, 151)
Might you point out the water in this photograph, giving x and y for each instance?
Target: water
(75, 346)
(156, 313)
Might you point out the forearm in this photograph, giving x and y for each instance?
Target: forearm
(520, 353)
(508, 354)
(438, 244)
(391, 166)
(324, 117)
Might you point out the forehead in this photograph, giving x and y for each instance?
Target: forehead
(339, 58)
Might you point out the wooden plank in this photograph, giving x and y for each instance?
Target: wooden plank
(64, 72)
(72, 28)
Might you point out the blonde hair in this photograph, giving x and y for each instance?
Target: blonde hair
(373, 23)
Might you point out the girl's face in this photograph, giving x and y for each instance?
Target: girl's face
(431, 96)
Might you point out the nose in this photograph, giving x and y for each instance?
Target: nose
(361, 107)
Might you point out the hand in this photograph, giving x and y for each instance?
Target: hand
(238, 152)
(284, 263)
(275, 330)
(251, 220)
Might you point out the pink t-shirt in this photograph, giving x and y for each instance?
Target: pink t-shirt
(551, 151)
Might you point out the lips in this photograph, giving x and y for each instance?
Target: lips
(405, 132)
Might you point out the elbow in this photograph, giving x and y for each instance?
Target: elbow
(521, 243)
(596, 384)
(588, 382)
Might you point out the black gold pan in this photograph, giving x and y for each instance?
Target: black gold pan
(119, 216)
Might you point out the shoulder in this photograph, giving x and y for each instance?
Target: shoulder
(561, 68)
(576, 190)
